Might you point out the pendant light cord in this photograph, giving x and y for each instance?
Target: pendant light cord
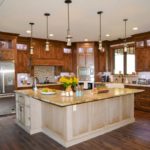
(31, 33)
(100, 24)
(68, 30)
(125, 32)
(47, 28)
(100, 36)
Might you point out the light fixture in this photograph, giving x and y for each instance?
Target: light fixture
(28, 31)
(86, 40)
(47, 34)
(31, 41)
(135, 28)
(100, 35)
(51, 35)
(69, 37)
(107, 35)
(125, 39)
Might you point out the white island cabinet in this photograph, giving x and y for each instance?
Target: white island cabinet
(28, 113)
(71, 120)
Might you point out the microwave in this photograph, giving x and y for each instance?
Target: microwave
(85, 71)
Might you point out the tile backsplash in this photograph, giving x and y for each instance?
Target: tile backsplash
(41, 72)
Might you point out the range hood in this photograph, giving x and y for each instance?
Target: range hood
(47, 62)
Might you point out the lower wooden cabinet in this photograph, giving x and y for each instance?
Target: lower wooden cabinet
(142, 100)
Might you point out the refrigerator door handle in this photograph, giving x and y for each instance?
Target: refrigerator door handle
(3, 82)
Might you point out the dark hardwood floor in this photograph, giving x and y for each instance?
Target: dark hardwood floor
(135, 136)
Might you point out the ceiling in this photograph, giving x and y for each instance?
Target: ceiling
(15, 16)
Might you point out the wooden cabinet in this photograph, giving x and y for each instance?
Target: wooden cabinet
(85, 55)
(23, 62)
(7, 46)
(142, 59)
(142, 100)
(7, 54)
(53, 57)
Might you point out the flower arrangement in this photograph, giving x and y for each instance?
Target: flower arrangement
(68, 81)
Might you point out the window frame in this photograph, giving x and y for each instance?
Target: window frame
(125, 59)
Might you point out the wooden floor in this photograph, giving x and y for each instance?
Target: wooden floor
(135, 136)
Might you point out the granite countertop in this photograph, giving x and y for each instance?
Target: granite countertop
(141, 85)
(88, 96)
(40, 85)
(129, 84)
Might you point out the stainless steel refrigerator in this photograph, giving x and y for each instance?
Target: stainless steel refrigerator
(7, 99)
(7, 73)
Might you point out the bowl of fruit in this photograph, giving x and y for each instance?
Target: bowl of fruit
(48, 91)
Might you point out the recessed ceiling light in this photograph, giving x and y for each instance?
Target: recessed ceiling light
(107, 35)
(135, 28)
(86, 40)
(51, 34)
(28, 32)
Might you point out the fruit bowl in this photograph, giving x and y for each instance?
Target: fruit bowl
(47, 91)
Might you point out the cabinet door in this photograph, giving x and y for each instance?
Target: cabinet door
(7, 54)
(27, 116)
(86, 56)
(89, 58)
(21, 114)
(81, 61)
(23, 64)
(142, 60)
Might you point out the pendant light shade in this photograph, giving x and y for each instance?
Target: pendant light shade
(47, 32)
(69, 37)
(31, 40)
(125, 39)
(100, 47)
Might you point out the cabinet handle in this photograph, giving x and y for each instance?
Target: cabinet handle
(20, 109)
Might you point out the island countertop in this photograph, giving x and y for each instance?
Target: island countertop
(88, 96)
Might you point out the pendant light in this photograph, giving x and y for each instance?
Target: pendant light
(47, 32)
(100, 35)
(68, 29)
(125, 39)
(31, 41)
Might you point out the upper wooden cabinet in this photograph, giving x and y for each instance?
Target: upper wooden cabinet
(55, 52)
(41, 57)
(23, 62)
(85, 55)
(7, 46)
(142, 60)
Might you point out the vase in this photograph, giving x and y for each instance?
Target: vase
(68, 89)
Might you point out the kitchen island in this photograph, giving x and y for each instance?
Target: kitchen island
(71, 120)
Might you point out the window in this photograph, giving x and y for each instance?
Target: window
(124, 63)
(119, 61)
